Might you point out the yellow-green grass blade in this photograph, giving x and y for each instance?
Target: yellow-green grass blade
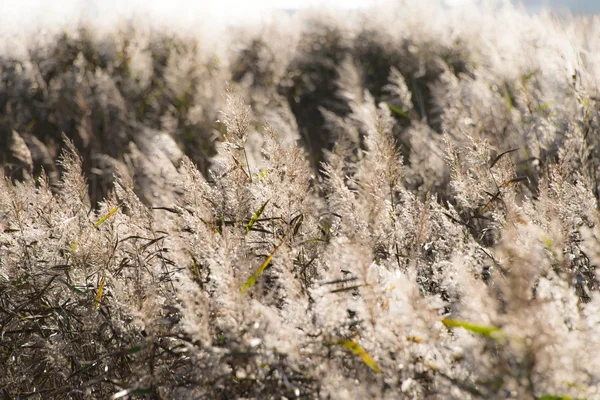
(256, 216)
(252, 280)
(398, 110)
(551, 397)
(487, 331)
(107, 216)
(356, 349)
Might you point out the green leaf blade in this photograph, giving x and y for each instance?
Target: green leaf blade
(398, 110)
(357, 350)
(106, 216)
(487, 331)
(252, 280)
(256, 216)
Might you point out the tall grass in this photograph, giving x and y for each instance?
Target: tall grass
(400, 203)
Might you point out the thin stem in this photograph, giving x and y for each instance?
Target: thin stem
(248, 165)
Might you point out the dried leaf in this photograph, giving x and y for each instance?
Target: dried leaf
(296, 222)
(499, 156)
(489, 203)
(337, 281)
(513, 181)
(99, 294)
(345, 289)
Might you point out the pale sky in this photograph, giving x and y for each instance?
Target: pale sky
(36, 11)
(21, 14)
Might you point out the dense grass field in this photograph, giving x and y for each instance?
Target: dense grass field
(394, 203)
